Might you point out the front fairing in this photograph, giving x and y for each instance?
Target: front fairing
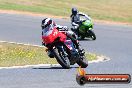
(52, 36)
(49, 34)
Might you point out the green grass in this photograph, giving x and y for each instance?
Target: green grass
(18, 54)
(110, 10)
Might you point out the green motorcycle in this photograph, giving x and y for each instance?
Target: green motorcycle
(86, 29)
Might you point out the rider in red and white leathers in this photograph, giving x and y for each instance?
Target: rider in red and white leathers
(47, 22)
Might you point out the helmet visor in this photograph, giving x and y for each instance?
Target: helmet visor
(48, 23)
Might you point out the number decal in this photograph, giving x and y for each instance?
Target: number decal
(55, 33)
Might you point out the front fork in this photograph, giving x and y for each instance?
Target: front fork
(62, 49)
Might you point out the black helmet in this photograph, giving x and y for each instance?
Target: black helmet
(74, 11)
(46, 22)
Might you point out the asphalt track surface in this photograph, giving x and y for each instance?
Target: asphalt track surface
(114, 41)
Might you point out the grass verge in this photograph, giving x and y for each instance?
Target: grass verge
(110, 10)
(12, 54)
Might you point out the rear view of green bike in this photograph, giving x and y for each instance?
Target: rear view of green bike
(86, 29)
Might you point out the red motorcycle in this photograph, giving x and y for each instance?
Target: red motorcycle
(63, 49)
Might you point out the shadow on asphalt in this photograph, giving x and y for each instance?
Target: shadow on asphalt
(86, 39)
(52, 67)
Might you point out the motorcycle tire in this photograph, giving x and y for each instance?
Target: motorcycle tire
(64, 62)
(92, 35)
(83, 62)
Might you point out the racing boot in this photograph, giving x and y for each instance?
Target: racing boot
(80, 50)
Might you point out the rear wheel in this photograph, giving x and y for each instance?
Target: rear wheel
(62, 59)
(83, 62)
(92, 35)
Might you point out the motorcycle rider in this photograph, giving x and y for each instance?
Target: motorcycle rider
(46, 23)
(75, 20)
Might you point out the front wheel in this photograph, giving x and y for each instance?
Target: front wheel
(92, 35)
(61, 59)
(83, 62)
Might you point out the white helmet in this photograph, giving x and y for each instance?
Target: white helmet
(46, 22)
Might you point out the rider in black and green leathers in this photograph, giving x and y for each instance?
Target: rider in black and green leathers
(75, 20)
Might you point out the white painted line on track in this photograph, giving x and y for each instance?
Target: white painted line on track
(21, 44)
(28, 66)
(50, 65)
